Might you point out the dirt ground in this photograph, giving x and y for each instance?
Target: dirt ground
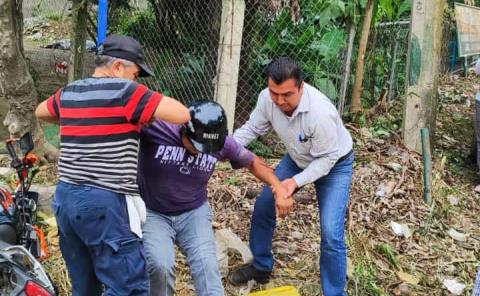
(442, 243)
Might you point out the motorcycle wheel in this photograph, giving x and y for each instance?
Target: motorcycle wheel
(7, 234)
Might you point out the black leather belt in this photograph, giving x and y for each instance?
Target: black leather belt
(345, 156)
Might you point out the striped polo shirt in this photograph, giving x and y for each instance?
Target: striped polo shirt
(100, 121)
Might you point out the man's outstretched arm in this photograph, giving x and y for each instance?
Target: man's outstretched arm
(283, 201)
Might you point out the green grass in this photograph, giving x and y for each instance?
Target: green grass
(52, 16)
(231, 181)
(389, 253)
(366, 280)
(51, 133)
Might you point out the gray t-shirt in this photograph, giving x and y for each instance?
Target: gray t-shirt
(314, 135)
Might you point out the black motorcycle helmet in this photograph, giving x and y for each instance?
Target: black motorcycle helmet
(207, 128)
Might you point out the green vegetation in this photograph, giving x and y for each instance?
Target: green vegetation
(261, 149)
(51, 133)
(366, 280)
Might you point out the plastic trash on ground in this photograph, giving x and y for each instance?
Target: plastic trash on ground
(400, 229)
(225, 240)
(281, 291)
(458, 236)
(454, 286)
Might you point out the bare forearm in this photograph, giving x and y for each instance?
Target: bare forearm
(283, 201)
(172, 111)
(263, 172)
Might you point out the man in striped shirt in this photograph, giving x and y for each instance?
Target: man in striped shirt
(100, 119)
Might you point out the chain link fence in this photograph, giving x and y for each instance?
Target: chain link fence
(386, 59)
(301, 33)
(46, 8)
(181, 43)
(450, 61)
(181, 40)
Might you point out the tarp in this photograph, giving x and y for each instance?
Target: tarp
(468, 29)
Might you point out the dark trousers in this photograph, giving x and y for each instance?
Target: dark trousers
(96, 242)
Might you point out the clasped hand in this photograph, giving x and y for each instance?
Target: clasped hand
(283, 197)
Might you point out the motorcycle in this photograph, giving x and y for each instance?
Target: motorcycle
(22, 242)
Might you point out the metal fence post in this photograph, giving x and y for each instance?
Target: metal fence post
(230, 43)
(427, 165)
(347, 69)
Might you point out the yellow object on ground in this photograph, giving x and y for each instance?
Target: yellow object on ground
(281, 291)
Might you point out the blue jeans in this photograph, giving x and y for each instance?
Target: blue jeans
(332, 196)
(96, 242)
(477, 130)
(193, 233)
(476, 284)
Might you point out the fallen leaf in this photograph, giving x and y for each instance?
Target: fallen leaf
(395, 166)
(408, 278)
(350, 268)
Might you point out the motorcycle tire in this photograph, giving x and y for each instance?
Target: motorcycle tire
(55, 287)
(8, 234)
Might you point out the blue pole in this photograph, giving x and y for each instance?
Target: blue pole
(453, 56)
(102, 21)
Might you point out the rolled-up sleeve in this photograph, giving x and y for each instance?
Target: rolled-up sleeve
(257, 125)
(239, 156)
(325, 150)
(53, 104)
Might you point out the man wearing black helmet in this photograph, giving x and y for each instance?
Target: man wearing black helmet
(175, 164)
(96, 199)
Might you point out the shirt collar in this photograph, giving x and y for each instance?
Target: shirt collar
(304, 104)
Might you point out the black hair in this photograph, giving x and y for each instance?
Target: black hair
(284, 68)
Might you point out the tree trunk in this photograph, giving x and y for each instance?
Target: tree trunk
(78, 37)
(16, 83)
(356, 107)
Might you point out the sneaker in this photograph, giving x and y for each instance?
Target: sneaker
(245, 273)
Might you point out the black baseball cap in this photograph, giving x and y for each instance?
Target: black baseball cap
(127, 48)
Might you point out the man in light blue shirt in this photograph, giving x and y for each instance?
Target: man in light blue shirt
(476, 285)
(477, 121)
(319, 151)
